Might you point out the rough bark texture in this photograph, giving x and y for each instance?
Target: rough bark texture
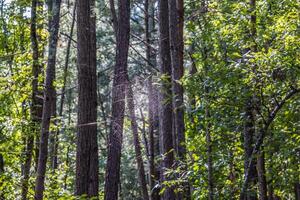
(48, 101)
(261, 174)
(115, 137)
(87, 147)
(153, 140)
(152, 102)
(249, 127)
(166, 110)
(36, 107)
(249, 135)
(176, 44)
(137, 145)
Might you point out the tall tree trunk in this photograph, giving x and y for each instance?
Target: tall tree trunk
(38, 70)
(115, 137)
(152, 101)
(166, 108)
(249, 128)
(176, 45)
(48, 100)
(86, 182)
(36, 107)
(153, 143)
(137, 145)
(261, 174)
(249, 135)
(53, 134)
(54, 158)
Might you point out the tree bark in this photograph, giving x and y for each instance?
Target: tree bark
(115, 137)
(176, 45)
(153, 141)
(152, 102)
(1, 172)
(86, 182)
(249, 135)
(36, 107)
(48, 101)
(54, 158)
(137, 145)
(261, 172)
(166, 108)
(297, 191)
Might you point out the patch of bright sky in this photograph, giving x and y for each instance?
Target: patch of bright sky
(27, 11)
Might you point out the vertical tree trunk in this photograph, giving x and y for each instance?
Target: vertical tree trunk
(152, 102)
(209, 154)
(1, 172)
(249, 129)
(176, 45)
(38, 70)
(137, 145)
(297, 191)
(48, 101)
(54, 158)
(166, 109)
(35, 110)
(53, 134)
(86, 182)
(249, 134)
(153, 143)
(261, 174)
(115, 137)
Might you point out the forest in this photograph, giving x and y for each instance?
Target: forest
(150, 99)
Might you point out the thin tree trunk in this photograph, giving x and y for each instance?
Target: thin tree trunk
(153, 124)
(153, 143)
(192, 97)
(48, 100)
(38, 70)
(1, 172)
(27, 165)
(144, 133)
(53, 134)
(209, 155)
(261, 172)
(35, 109)
(137, 145)
(166, 108)
(115, 137)
(54, 158)
(86, 182)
